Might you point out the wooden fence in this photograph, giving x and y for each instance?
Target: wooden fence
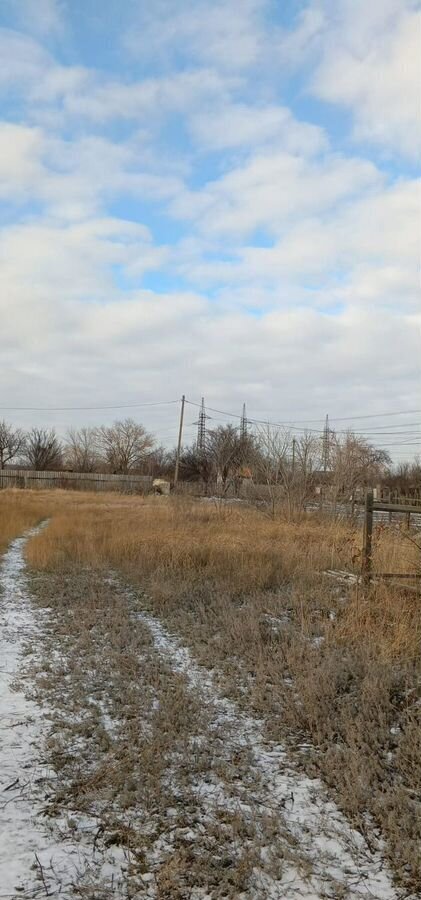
(404, 509)
(82, 481)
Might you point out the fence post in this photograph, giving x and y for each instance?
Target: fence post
(367, 538)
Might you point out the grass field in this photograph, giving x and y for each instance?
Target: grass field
(328, 672)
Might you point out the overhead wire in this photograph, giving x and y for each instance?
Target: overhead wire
(80, 408)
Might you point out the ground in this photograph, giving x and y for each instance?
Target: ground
(191, 709)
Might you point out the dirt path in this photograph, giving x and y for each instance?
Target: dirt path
(156, 785)
(34, 861)
(336, 853)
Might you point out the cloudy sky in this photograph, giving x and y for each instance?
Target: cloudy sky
(210, 197)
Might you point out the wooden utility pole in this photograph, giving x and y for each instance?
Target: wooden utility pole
(180, 437)
(294, 442)
(367, 538)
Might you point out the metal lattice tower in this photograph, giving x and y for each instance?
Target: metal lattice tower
(326, 444)
(201, 427)
(243, 423)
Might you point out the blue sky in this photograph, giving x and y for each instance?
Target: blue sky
(213, 199)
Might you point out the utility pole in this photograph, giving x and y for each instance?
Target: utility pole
(180, 437)
(294, 443)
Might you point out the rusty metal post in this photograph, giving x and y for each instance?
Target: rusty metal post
(367, 538)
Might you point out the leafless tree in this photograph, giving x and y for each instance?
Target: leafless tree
(196, 465)
(228, 452)
(12, 443)
(403, 478)
(273, 463)
(159, 462)
(123, 445)
(354, 463)
(43, 449)
(306, 459)
(81, 453)
(286, 465)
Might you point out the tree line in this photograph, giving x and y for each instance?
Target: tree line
(288, 465)
(121, 447)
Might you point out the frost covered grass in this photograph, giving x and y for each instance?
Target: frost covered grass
(331, 674)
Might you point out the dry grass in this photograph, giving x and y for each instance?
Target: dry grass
(19, 511)
(187, 539)
(335, 672)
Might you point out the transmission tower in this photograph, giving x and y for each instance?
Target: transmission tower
(201, 427)
(326, 444)
(243, 423)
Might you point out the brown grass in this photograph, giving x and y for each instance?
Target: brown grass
(19, 511)
(174, 546)
(184, 538)
(333, 670)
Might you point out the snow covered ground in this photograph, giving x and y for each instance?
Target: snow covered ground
(34, 862)
(339, 857)
(335, 860)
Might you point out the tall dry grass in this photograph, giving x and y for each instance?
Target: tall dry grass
(324, 664)
(18, 511)
(173, 546)
(180, 538)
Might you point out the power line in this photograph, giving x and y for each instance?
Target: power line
(75, 408)
(290, 423)
(375, 432)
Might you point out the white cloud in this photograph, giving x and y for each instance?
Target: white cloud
(53, 264)
(363, 253)
(370, 63)
(227, 36)
(272, 189)
(74, 179)
(20, 159)
(30, 71)
(298, 262)
(142, 100)
(238, 125)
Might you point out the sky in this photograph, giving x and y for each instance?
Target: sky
(219, 199)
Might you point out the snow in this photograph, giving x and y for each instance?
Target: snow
(30, 850)
(336, 852)
(31, 846)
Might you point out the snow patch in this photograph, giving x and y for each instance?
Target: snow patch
(338, 855)
(33, 859)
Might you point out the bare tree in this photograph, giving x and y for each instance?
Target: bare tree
(228, 451)
(306, 459)
(403, 478)
(12, 442)
(273, 467)
(43, 449)
(354, 463)
(81, 452)
(196, 465)
(124, 445)
(286, 465)
(159, 462)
